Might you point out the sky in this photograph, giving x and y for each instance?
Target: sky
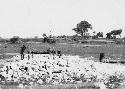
(29, 18)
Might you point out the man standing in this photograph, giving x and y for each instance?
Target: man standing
(102, 55)
(23, 48)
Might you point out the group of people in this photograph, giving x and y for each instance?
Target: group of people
(49, 51)
(53, 52)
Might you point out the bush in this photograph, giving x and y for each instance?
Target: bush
(48, 40)
(14, 40)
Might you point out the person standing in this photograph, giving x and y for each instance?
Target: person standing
(23, 48)
(59, 53)
(102, 55)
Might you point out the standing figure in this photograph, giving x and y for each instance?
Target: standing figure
(32, 53)
(102, 55)
(23, 48)
(48, 50)
(59, 54)
(28, 55)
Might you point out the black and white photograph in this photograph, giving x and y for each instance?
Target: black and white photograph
(62, 44)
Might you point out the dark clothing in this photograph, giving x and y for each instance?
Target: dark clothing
(23, 48)
(101, 57)
(59, 53)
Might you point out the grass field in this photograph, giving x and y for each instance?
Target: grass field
(114, 51)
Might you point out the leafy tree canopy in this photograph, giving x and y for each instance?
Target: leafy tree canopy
(82, 28)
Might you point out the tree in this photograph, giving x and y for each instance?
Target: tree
(75, 38)
(109, 36)
(82, 28)
(113, 34)
(99, 34)
(44, 35)
(116, 32)
(45, 38)
(48, 39)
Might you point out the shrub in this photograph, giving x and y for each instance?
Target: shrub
(14, 40)
(48, 40)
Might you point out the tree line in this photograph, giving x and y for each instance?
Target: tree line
(81, 30)
(83, 27)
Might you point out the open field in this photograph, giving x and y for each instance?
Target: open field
(114, 51)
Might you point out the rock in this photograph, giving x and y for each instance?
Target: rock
(21, 86)
(101, 85)
(40, 81)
